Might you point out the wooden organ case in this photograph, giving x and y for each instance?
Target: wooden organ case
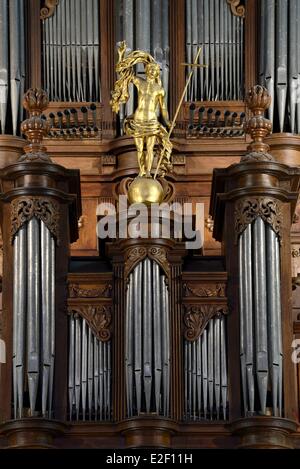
(121, 343)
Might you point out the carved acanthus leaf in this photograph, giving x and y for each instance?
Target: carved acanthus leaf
(248, 209)
(196, 318)
(76, 292)
(236, 8)
(204, 291)
(137, 254)
(48, 9)
(98, 317)
(23, 209)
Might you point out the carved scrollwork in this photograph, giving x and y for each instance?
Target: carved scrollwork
(248, 209)
(204, 291)
(196, 318)
(159, 255)
(98, 317)
(76, 292)
(48, 9)
(236, 8)
(24, 209)
(133, 257)
(137, 254)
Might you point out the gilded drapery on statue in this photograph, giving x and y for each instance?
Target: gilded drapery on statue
(144, 125)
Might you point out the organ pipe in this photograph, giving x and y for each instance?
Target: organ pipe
(211, 25)
(260, 319)
(147, 354)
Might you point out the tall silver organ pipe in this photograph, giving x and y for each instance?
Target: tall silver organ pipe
(280, 62)
(89, 383)
(12, 63)
(260, 319)
(205, 373)
(210, 24)
(144, 24)
(147, 350)
(33, 318)
(71, 51)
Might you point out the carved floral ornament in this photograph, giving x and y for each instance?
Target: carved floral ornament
(236, 8)
(137, 254)
(75, 291)
(204, 291)
(48, 9)
(196, 318)
(23, 209)
(248, 209)
(98, 317)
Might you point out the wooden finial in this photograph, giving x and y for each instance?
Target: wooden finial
(35, 128)
(258, 100)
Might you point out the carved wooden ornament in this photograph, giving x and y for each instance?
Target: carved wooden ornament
(98, 317)
(23, 209)
(236, 8)
(196, 318)
(137, 254)
(249, 208)
(48, 9)
(76, 292)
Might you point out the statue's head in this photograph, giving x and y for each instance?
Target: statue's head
(152, 71)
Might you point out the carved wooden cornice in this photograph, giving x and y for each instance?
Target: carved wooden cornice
(249, 208)
(197, 316)
(48, 9)
(204, 291)
(24, 209)
(137, 254)
(236, 8)
(75, 291)
(98, 317)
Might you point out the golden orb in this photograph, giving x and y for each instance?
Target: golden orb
(145, 190)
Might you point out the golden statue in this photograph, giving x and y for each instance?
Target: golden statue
(144, 125)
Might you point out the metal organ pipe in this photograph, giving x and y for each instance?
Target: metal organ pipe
(147, 353)
(34, 318)
(12, 62)
(211, 25)
(260, 318)
(280, 61)
(206, 382)
(89, 380)
(144, 25)
(71, 51)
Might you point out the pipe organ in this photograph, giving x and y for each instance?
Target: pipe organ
(279, 68)
(34, 328)
(144, 25)
(260, 319)
(12, 64)
(147, 355)
(71, 52)
(150, 341)
(212, 26)
(205, 373)
(89, 382)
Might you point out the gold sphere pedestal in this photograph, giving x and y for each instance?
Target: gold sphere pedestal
(145, 190)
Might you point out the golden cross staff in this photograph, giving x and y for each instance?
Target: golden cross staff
(193, 65)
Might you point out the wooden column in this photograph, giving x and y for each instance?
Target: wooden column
(34, 45)
(36, 187)
(252, 22)
(258, 185)
(107, 60)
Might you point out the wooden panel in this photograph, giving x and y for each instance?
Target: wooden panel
(87, 243)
